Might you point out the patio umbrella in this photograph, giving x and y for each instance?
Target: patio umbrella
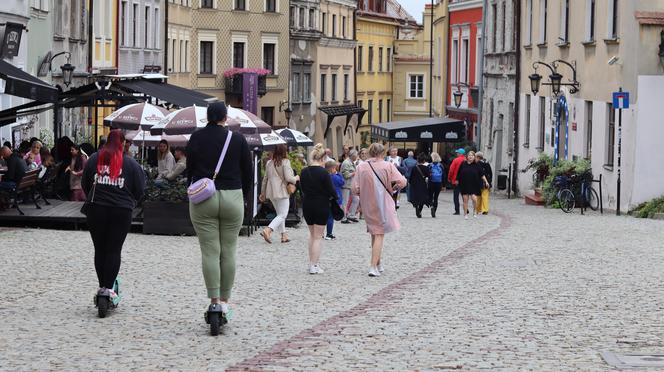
(145, 138)
(264, 141)
(294, 137)
(135, 116)
(182, 121)
(246, 122)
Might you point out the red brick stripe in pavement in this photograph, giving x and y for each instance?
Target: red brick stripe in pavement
(278, 354)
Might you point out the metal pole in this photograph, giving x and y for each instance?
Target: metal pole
(619, 153)
(431, 63)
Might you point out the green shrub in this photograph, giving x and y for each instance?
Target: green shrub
(648, 209)
(562, 168)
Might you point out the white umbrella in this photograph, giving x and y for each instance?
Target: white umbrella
(135, 116)
(182, 121)
(294, 137)
(246, 122)
(264, 141)
(145, 138)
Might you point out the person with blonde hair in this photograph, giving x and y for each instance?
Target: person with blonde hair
(436, 177)
(375, 182)
(471, 178)
(317, 194)
(274, 187)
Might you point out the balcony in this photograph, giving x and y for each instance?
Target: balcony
(234, 84)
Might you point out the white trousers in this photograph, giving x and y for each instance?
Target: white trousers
(355, 202)
(278, 224)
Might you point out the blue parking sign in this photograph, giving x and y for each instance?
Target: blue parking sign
(620, 100)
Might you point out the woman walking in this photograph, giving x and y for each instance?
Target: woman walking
(436, 177)
(471, 178)
(75, 169)
(419, 191)
(113, 183)
(337, 182)
(278, 176)
(317, 194)
(375, 182)
(483, 199)
(218, 219)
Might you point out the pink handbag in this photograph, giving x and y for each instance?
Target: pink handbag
(204, 188)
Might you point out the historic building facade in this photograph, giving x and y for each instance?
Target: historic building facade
(141, 31)
(178, 43)
(608, 45)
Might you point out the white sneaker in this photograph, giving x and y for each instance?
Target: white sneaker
(465, 217)
(315, 269)
(224, 307)
(474, 215)
(380, 268)
(373, 271)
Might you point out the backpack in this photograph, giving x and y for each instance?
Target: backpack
(436, 172)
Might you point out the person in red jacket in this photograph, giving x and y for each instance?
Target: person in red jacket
(452, 176)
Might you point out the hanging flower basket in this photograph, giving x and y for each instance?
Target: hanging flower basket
(237, 71)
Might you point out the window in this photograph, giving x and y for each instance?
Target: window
(589, 129)
(240, 5)
(464, 61)
(267, 114)
(526, 134)
(207, 4)
(529, 22)
(306, 87)
(380, 110)
(415, 86)
(147, 26)
(494, 26)
(323, 87)
(346, 80)
(312, 19)
(334, 25)
(238, 54)
(157, 22)
(324, 23)
(183, 56)
(543, 20)
(270, 5)
(503, 35)
(359, 57)
(134, 26)
(542, 123)
(173, 41)
(186, 56)
(389, 110)
(370, 111)
(206, 57)
(40, 5)
(370, 58)
(302, 15)
(343, 27)
(123, 23)
(590, 20)
(564, 21)
(293, 10)
(610, 134)
(388, 62)
(334, 87)
(613, 19)
(296, 95)
(455, 61)
(380, 59)
(268, 57)
(478, 58)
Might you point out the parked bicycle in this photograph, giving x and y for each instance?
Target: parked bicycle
(576, 189)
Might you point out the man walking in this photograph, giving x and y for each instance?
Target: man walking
(348, 172)
(452, 176)
(483, 200)
(409, 163)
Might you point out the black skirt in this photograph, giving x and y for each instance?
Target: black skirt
(470, 178)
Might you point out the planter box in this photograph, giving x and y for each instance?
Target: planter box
(167, 218)
(234, 86)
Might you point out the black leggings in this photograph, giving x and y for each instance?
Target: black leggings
(108, 227)
(434, 191)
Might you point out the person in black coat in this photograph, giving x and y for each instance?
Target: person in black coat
(483, 200)
(471, 179)
(419, 191)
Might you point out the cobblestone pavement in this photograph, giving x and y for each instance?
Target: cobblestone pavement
(521, 288)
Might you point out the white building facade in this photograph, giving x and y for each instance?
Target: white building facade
(141, 28)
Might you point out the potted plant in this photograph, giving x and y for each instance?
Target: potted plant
(234, 78)
(166, 209)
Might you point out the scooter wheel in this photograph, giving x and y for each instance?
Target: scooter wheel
(102, 306)
(215, 323)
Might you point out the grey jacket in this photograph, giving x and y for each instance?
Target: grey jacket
(348, 172)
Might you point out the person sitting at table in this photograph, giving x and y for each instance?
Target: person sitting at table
(165, 160)
(16, 168)
(178, 170)
(33, 158)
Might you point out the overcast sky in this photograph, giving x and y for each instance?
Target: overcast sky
(415, 7)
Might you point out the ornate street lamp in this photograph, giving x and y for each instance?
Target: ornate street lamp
(67, 68)
(287, 112)
(556, 80)
(535, 80)
(457, 98)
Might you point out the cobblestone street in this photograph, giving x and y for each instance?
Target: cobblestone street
(522, 288)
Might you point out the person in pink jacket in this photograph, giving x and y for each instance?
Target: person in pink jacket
(375, 182)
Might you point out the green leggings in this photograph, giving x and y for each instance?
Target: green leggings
(217, 222)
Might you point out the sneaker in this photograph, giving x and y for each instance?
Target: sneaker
(380, 268)
(474, 215)
(456, 213)
(315, 269)
(485, 213)
(353, 219)
(345, 221)
(327, 237)
(465, 216)
(373, 272)
(330, 237)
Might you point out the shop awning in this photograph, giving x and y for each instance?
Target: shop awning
(342, 110)
(425, 129)
(10, 115)
(172, 94)
(21, 84)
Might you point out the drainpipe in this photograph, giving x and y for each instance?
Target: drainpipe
(431, 62)
(165, 49)
(517, 72)
(480, 104)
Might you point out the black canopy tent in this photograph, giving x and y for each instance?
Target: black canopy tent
(420, 130)
(21, 84)
(173, 94)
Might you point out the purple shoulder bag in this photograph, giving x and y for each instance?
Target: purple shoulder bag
(204, 188)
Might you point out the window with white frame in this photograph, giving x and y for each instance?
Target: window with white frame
(494, 27)
(334, 25)
(359, 57)
(207, 4)
(239, 50)
(346, 84)
(610, 134)
(40, 5)
(334, 87)
(323, 86)
(564, 21)
(157, 23)
(134, 26)
(455, 61)
(380, 59)
(271, 6)
(312, 19)
(528, 37)
(123, 23)
(207, 52)
(415, 86)
(613, 20)
(343, 27)
(183, 56)
(526, 133)
(186, 58)
(388, 61)
(590, 20)
(589, 130)
(303, 15)
(296, 95)
(542, 123)
(306, 87)
(463, 75)
(542, 20)
(503, 34)
(240, 5)
(146, 28)
(323, 27)
(478, 54)
(270, 53)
